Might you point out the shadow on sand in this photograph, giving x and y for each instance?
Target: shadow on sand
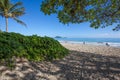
(76, 66)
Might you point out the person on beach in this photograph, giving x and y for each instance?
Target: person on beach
(83, 42)
(107, 44)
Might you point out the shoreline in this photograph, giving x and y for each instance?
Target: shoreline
(85, 62)
(97, 49)
(116, 45)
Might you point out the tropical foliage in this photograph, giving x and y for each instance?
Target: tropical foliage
(100, 13)
(33, 48)
(9, 10)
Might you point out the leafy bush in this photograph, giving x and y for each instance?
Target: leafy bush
(33, 48)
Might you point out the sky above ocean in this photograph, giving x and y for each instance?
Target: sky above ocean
(44, 25)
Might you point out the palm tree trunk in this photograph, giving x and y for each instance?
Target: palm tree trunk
(6, 20)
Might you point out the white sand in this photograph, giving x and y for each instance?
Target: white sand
(97, 49)
(85, 62)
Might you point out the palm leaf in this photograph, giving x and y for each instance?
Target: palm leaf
(17, 9)
(2, 5)
(18, 12)
(6, 3)
(13, 7)
(19, 21)
(1, 12)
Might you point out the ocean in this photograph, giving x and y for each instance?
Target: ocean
(115, 42)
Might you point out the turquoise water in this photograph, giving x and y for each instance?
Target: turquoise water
(113, 40)
(97, 41)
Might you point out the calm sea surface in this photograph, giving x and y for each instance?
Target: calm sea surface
(97, 41)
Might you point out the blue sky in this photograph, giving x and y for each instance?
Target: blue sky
(44, 25)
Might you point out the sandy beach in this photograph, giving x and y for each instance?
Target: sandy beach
(85, 62)
(97, 49)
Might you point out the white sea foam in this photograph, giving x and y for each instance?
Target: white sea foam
(93, 43)
(114, 44)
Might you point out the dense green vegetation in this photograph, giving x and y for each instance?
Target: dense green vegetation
(100, 13)
(33, 48)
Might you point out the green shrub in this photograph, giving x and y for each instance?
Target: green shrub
(34, 48)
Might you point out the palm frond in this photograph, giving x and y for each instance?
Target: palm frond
(13, 7)
(17, 14)
(18, 10)
(19, 21)
(6, 2)
(1, 12)
(2, 5)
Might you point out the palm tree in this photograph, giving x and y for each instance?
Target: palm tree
(9, 10)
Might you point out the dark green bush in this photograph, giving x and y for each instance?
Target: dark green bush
(33, 48)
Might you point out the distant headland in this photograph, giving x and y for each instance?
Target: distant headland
(59, 37)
